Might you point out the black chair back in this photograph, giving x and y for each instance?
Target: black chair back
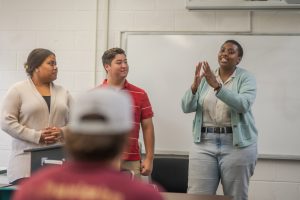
(171, 172)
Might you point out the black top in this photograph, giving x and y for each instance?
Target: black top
(48, 100)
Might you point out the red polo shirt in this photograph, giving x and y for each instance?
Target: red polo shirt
(142, 110)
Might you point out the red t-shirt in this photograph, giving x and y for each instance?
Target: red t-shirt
(82, 181)
(142, 110)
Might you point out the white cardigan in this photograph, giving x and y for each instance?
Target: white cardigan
(24, 114)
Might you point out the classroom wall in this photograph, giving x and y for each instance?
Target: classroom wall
(273, 179)
(80, 30)
(67, 27)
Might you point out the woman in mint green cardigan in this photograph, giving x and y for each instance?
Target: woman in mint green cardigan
(224, 132)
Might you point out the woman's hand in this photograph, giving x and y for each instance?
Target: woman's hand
(57, 133)
(51, 135)
(198, 77)
(46, 137)
(209, 75)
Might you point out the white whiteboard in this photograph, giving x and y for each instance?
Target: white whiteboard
(163, 64)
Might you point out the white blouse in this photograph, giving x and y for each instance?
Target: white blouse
(215, 112)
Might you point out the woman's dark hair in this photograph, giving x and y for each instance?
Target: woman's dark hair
(240, 48)
(35, 59)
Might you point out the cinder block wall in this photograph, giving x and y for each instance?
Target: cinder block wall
(67, 27)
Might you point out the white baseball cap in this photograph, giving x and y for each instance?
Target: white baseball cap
(102, 111)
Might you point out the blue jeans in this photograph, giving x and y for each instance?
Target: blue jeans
(214, 160)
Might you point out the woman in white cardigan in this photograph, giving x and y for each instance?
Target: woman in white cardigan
(35, 112)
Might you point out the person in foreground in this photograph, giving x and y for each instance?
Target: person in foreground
(115, 64)
(34, 112)
(100, 123)
(224, 133)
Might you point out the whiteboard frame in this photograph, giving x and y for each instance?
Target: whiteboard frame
(124, 34)
(123, 44)
(239, 5)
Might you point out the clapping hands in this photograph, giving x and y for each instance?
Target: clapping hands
(203, 70)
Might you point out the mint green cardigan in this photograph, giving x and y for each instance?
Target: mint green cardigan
(239, 99)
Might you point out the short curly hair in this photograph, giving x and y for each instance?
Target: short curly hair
(239, 46)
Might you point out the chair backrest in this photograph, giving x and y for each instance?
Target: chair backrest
(171, 172)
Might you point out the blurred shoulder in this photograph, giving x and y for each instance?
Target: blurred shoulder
(19, 87)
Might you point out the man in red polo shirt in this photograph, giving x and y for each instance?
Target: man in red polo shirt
(115, 64)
